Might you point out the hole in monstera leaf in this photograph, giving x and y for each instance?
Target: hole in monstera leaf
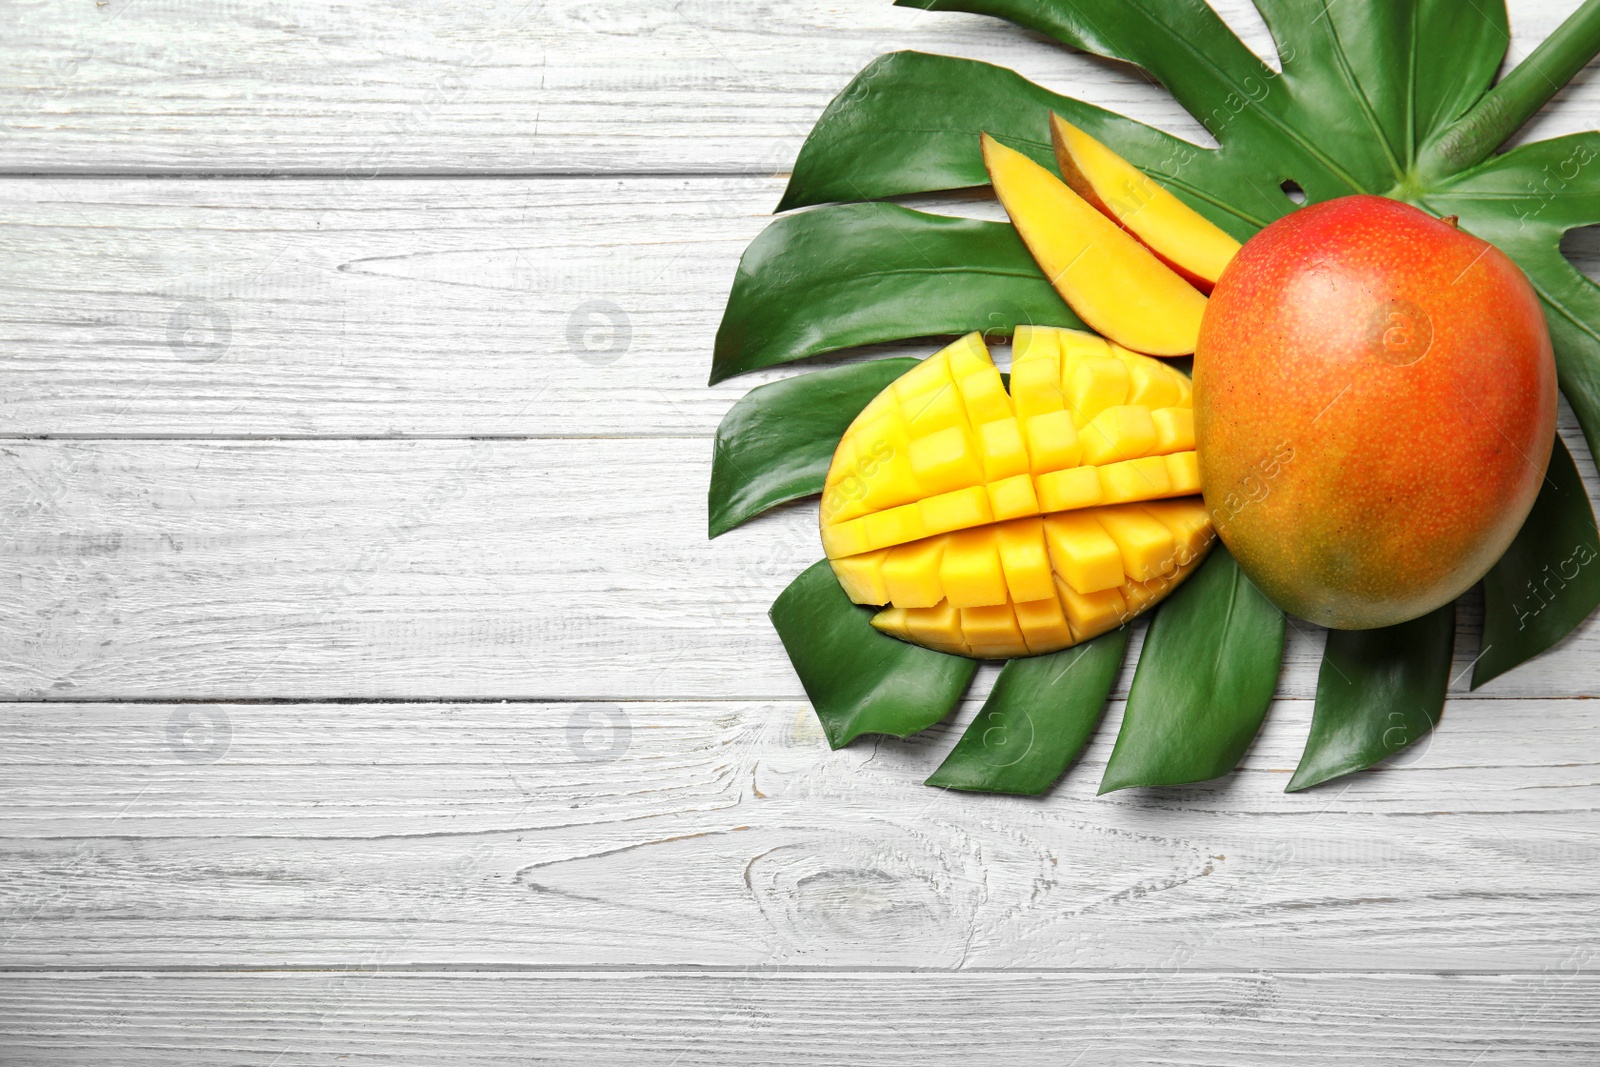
(1292, 190)
(1582, 248)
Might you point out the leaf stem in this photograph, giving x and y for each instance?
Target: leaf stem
(1515, 99)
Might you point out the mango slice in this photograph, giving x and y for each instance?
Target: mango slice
(1179, 236)
(1115, 284)
(1032, 520)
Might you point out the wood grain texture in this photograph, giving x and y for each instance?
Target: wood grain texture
(554, 307)
(657, 1020)
(351, 307)
(727, 834)
(554, 86)
(433, 569)
(658, 795)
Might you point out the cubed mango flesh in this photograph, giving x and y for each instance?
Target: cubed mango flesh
(1004, 454)
(995, 524)
(862, 577)
(1118, 433)
(970, 570)
(946, 461)
(911, 573)
(1092, 384)
(1013, 498)
(1082, 553)
(1146, 544)
(1036, 386)
(1025, 560)
(1052, 440)
(1043, 624)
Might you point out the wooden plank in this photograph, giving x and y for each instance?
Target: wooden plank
(466, 569)
(348, 307)
(592, 1017)
(554, 307)
(548, 87)
(725, 834)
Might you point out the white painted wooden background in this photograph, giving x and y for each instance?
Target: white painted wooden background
(373, 695)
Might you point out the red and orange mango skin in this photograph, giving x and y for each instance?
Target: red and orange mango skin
(1375, 404)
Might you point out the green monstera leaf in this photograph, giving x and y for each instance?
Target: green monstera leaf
(775, 444)
(1391, 97)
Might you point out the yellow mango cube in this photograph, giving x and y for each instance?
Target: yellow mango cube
(1174, 430)
(1187, 519)
(1036, 388)
(929, 413)
(845, 538)
(938, 623)
(925, 377)
(992, 632)
(911, 574)
(1092, 614)
(892, 621)
(894, 527)
(1134, 479)
(892, 484)
(868, 444)
(1043, 624)
(862, 577)
(1092, 384)
(1004, 454)
(946, 461)
(957, 510)
(970, 570)
(877, 407)
(1189, 522)
(1053, 442)
(1145, 543)
(968, 355)
(1118, 433)
(985, 396)
(1082, 553)
(938, 627)
(1075, 487)
(1025, 559)
(1183, 472)
(1151, 386)
(1013, 498)
(1030, 343)
(1076, 345)
(844, 501)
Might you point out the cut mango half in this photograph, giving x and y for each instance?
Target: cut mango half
(1179, 236)
(1114, 283)
(996, 524)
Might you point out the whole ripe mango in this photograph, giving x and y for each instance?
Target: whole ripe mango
(1375, 405)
